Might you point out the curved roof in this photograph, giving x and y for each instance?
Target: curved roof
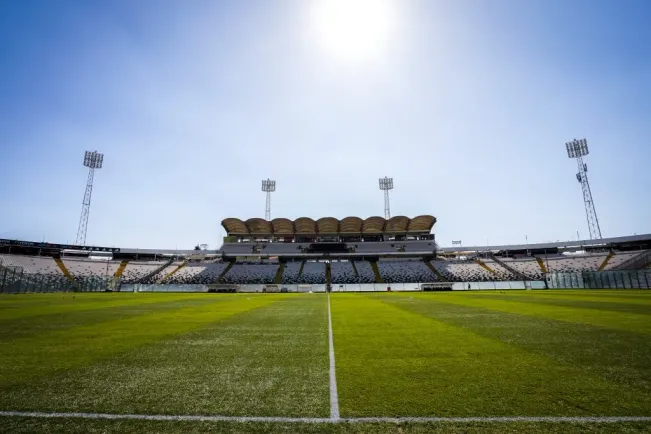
(282, 226)
(397, 223)
(373, 225)
(421, 223)
(328, 225)
(305, 225)
(351, 225)
(234, 226)
(257, 226)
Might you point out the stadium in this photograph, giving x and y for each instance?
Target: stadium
(179, 305)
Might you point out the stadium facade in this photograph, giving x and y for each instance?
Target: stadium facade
(351, 254)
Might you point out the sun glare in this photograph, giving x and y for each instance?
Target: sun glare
(353, 29)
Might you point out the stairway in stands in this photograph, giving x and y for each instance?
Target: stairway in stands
(376, 271)
(510, 269)
(220, 279)
(485, 267)
(171, 273)
(355, 270)
(65, 271)
(604, 264)
(279, 274)
(120, 270)
(328, 274)
(147, 277)
(436, 272)
(541, 264)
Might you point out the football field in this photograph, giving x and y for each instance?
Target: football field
(541, 361)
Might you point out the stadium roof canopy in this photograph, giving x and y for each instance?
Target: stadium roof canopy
(305, 226)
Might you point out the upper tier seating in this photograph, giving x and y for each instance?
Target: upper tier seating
(251, 273)
(405, 272)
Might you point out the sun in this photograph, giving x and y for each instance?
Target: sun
(353, 29)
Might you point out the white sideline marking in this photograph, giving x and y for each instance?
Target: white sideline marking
(316, 420)
(334, 397)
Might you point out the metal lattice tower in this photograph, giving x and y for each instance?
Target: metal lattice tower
(268, 186)
(92, 160)
(386, 184)
(578, 149)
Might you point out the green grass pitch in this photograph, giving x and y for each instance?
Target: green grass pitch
(450, 355)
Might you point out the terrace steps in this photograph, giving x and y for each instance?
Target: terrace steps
(65, 271)
(171, 273)
(484, 266)
(436, 272)
(120, 270)
(226, 270)
(607, 259)
(376, 271)
(279, 274)
(541, 264)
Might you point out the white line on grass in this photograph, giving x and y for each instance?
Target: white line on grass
(334, 397)
(315, 420)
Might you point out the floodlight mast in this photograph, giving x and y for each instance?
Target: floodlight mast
(268, 186)
(92, 160)
(578, 149)
(386, 184)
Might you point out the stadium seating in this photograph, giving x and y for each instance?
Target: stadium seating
(251, 273)
(313, 273)
(197, 273)
(464, 271)
(290, 274)
(365, 272)
(43, 265)
(529, 267)
(620, 258)
(406, 272)
(135, 271)
(342, 272)
(578, 263)
(83, 268)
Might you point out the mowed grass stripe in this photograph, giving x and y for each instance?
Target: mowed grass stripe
(618, 356)
(391, 362)
(34, 325)
(615, 306)
(65, 303)
(637, 323)
(27, 358)
(271, 361)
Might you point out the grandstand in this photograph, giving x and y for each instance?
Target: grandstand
(327, 253)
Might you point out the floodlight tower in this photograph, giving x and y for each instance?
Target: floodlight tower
(578, 149)
(386, 184)
(268, 186)
(92, 160)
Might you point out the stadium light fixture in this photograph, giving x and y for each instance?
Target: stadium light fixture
(385, 185)
(268, 186)
(578, 149)
(93, 160)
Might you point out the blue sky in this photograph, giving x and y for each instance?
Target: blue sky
(467, 104)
